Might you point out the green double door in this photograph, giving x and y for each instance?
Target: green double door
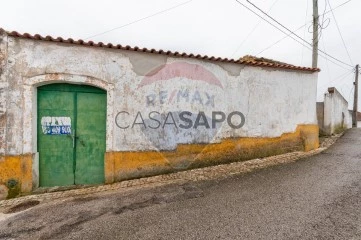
(71, 134)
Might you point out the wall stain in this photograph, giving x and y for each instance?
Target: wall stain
(128, 165)
(144, 63)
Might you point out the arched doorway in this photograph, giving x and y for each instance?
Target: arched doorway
(71, 136)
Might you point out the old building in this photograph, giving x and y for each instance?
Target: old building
(76, 112)
(333, 114)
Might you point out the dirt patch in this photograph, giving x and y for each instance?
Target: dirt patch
(22, 206)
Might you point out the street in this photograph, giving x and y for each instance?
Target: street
(314, 198)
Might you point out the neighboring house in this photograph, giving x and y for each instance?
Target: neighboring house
(333, 114)
(77, 112)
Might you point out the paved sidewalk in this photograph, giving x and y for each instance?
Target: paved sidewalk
(207, 173)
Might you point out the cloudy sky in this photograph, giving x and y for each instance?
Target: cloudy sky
(210, 27)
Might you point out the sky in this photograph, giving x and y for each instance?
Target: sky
(208, 27)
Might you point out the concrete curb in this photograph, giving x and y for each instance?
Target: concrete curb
(207, 173)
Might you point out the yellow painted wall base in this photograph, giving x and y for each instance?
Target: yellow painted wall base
(16, 170)
(127, 165)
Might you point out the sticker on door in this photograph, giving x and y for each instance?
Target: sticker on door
(56, 125)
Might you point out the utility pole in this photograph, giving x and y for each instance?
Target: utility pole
(355, 99)
(315, 34)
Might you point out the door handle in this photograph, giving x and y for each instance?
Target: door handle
(74, 137)
(81, 141)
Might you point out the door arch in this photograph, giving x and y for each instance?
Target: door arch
(71, 135)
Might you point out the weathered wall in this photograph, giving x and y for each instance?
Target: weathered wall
(320, 106)
(3, 91)
(278, 106)
(16, 173)
(349, 120)
(336, 116)
(134, 164)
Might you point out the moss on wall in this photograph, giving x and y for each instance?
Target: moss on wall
(16, 174)
(16, 171)
(127, 165)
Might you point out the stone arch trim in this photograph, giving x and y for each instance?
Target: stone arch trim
(44, 79)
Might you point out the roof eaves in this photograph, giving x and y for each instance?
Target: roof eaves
(154, 51)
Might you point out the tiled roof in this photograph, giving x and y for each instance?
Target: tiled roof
(247, 60)
(251, 58)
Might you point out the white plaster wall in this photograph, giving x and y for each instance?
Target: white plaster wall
(273, 101)
(336, 113)
(349, 120)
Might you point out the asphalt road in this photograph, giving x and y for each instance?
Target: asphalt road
(314, 198)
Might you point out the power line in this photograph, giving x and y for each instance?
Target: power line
(304, 31)
(287, 34)
(250, 33)
(278, 41)
(331, 9)
(339, 31)
(353, 87)
(293, 32)
(324, 48)
(341, 78)
(321, 26)
(342, 88)
(138, 20)
(339, 6)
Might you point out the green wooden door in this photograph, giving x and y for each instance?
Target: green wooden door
(91, 117)
(71, 134)
(56, 152)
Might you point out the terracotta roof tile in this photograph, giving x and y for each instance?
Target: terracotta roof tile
(246, 60)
